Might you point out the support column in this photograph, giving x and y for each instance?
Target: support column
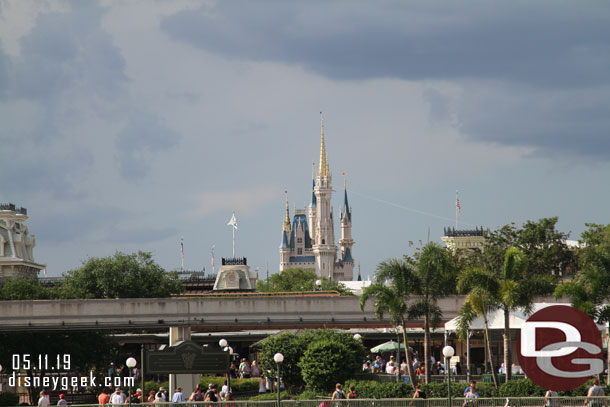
(188, 382)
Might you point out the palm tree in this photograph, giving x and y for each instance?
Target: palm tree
(518, 289)
(482, 289)
(590, 289)
(394, 282)
(436, 279)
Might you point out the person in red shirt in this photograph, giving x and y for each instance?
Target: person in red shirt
(104, 397)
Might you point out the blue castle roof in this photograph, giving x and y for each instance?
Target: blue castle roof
(347, 257)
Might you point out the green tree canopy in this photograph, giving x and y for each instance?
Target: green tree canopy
(326, 362)
(298, 279)
(134, 275)
(544, 247)
(25, 289)
(294, 346)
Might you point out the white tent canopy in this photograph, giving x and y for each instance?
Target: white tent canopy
(495, 319)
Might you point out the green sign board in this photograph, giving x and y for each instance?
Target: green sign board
(186, 357)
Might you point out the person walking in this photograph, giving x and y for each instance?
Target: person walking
(338, 394)
(352, 393)
(62, 400)
(44, 399)
(594, 391)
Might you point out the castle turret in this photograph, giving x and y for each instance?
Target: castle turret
(346, 242)
(285, 245)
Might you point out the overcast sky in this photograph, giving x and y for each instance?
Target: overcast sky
(127, 125)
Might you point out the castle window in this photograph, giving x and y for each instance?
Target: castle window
(299, 251)
(299, 240)
(322, 241)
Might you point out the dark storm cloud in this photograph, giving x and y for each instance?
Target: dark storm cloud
(531, 74)
(64, 50)
(142, 136)
(568, 123)
(543, 43)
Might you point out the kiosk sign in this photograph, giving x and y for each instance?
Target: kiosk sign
(560, 348)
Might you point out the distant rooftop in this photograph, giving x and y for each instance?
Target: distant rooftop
(453, 232)
(12, 207)
(234, 261)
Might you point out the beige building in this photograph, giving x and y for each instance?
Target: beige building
(16, 244)
(464, 239)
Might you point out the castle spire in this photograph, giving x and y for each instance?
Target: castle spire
(323, 171)
(287, 218)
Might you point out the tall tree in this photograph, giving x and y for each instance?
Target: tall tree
(134, 275)
(589, 291)
(436, 278)
(394, 283)
(518, 289)
(482, 288)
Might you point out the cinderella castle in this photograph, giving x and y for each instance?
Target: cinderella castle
(309, 241)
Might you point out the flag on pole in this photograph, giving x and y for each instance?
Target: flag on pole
(182, 247)
(457, 205)
(45, 271)
(233, 222)
(213, 262)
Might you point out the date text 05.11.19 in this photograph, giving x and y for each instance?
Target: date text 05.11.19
(41, 362)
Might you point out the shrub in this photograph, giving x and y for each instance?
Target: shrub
(8, 399)
(271, 396)
(366, 389)
(520, 388)
(238, 385)
(325, 363)
(293, 347)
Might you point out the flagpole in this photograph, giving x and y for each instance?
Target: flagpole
(182, 252)
(456, 209)
(233, 237)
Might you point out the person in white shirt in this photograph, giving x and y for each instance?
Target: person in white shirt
(117, 397)
(44, 399)
(390, 369)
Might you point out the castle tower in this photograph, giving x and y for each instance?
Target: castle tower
(309, 241)
(346, 242)
(285, 246)
(324, 248)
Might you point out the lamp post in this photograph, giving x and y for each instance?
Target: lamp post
(131, 363)
(278, 358)
(448, 352)
(225, 346)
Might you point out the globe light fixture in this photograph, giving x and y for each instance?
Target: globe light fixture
(278, 358)
(131, 363)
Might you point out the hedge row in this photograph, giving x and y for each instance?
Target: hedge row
(514, 388)
(238, 385)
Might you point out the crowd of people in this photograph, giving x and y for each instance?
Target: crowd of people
(380, 365)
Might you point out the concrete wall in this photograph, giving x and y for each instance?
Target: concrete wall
(202, 313)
